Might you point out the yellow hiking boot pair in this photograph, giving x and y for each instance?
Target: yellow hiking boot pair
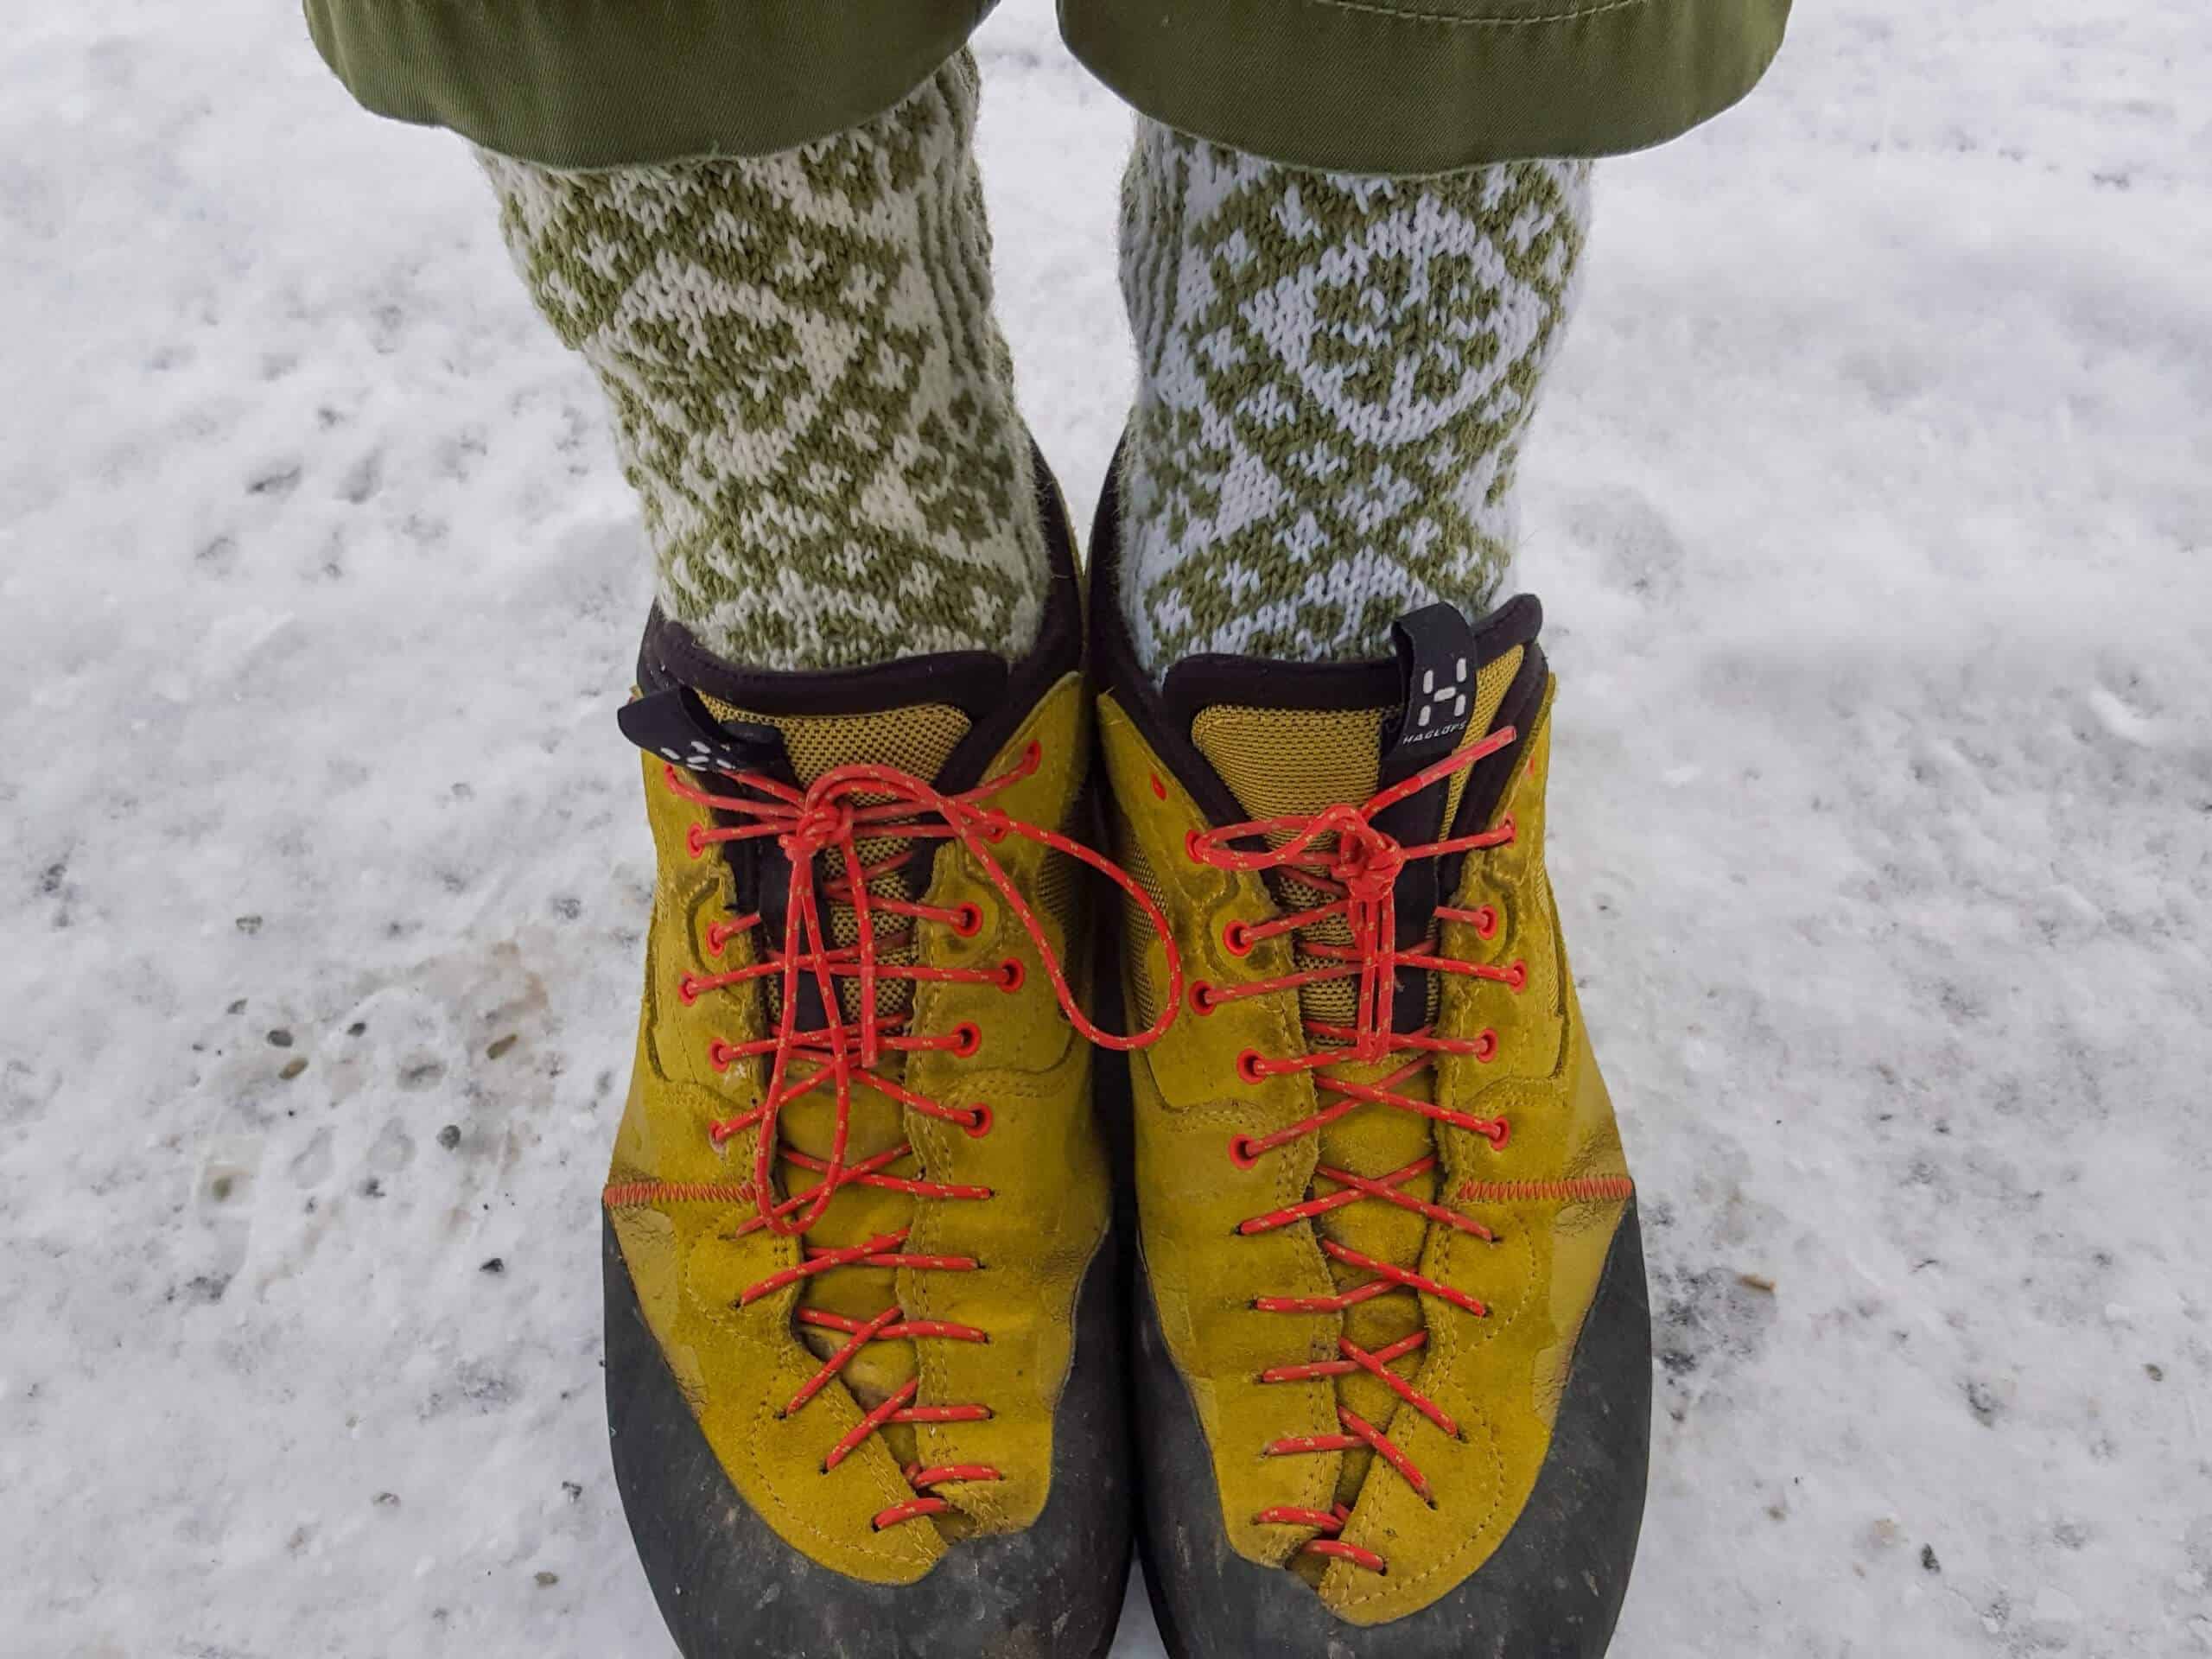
(872, 1218)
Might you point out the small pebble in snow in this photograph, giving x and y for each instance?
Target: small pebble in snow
(449, 1136)
(357, 1028)
(372, 1188)
(237, 1006)
(574, 1488)
(2155, 1373)
(280, 1037)
(1928, 1562)
(293, 1067)
(249, 925)
(500, 1047)
(567, 908)
(493, 1264)
(388, 1500)
(547, 1580)
(1983, 1403)
(1755, 1281)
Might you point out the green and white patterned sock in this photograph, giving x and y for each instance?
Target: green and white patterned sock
(1337, 373)
(810, 393)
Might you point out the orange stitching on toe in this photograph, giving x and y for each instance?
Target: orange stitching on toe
(1585, 1188)
(632, 1195)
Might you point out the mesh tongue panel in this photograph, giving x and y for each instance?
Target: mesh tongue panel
(1296, 762)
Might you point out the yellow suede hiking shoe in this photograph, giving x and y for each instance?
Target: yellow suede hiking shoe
(863, 1371)
(1393, 1350)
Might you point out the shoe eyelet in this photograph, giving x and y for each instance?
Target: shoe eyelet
(1516, 977)
(1191, 847)
(1033, 756)
(1498, 1134)
(1485, 1046)
(980, 1120)
(1202, 1001)
(687, 990)
(1237, 938)
(1011, 973)
(696, 839)
(720, 1055)
(1241, 1152)
(1485, 922)
(967, 1037)
(1249, 1068)
(1159, 789)
(968, 920)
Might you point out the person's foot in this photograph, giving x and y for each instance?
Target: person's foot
(1393, 1361)
(863, 1377)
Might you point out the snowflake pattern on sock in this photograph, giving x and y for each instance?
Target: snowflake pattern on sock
(1336, 374)
(809, 392)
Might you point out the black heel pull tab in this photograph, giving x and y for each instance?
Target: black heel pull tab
(677, 725)
(1436, 676)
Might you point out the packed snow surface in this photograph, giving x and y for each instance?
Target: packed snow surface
(1872, 511)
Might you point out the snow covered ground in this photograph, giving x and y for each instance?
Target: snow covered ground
(1872, 508)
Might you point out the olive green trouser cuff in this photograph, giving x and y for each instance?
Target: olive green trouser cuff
(1358, 85)
(606, 82)
(1406, 86)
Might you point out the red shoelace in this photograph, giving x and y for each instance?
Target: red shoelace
(1340, 851)
(824, 822)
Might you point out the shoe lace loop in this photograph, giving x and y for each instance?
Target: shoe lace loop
(1341, 853)
(823, 825)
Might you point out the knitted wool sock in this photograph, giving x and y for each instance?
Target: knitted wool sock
(1336, 375)
(810, 393)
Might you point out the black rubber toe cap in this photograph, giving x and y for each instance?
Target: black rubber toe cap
(1551, 1590)
(731, 1589)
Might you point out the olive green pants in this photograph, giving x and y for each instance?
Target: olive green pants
(1393, 87)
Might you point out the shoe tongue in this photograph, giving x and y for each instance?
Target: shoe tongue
(913, 715)
(1289, 741)
(1293, 739)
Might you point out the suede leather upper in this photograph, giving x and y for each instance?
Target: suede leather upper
(1554, 1196)
(1500, 1376)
